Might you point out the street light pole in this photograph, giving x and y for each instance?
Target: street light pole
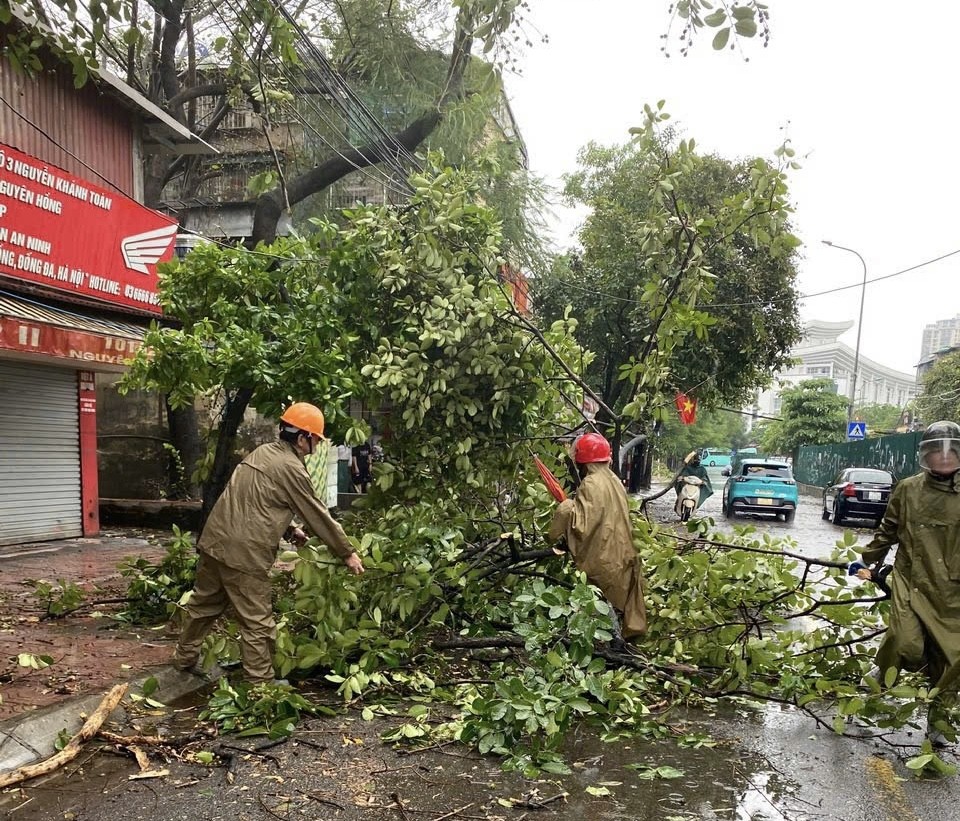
(856, 353)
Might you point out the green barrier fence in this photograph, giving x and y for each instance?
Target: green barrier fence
(819, 464)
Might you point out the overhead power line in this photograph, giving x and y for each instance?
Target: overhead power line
(706, 305)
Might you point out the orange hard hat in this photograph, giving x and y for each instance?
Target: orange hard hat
(304, 416)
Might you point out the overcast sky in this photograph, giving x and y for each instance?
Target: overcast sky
(866, 94)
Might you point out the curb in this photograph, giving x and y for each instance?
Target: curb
(31, 737)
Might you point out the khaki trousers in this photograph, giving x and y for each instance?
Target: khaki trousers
(251, 598)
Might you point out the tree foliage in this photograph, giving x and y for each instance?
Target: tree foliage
(940, 396)
(811, 413)
(880, 419)
(411, 62)
(685, 279)
(731, 21)
(400, 309)
(713, 429)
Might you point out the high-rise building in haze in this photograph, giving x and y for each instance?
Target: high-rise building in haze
(942, 334)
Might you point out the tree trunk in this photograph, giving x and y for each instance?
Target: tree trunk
(233, 412)
(185, 436)
(647, 474)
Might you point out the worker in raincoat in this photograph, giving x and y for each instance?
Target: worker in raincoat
(599, 535)
(238, 545)
(923, 518)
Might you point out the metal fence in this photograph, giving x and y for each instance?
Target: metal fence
(819, 464)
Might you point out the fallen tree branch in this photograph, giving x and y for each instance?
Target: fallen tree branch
(478, 642)
(89, 729)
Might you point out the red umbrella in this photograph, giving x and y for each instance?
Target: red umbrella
(550, 480)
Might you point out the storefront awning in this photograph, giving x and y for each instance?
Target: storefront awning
(31, 329)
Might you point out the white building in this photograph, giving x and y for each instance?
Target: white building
(942, 334)
(820, 354)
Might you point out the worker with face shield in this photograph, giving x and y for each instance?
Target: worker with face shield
(923, 519)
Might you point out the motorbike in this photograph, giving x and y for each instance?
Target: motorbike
(688, 496)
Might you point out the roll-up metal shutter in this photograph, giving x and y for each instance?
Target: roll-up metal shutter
(39, 454)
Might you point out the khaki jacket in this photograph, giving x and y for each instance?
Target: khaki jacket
(923, 517)
(265, 492)
(596, 524)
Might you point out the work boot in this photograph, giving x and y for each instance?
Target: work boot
(197, 669)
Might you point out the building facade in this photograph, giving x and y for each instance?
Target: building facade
(820, 355)
(78, 280)
(942, 334)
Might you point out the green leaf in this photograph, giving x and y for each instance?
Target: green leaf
(721, 38)
(717, 18)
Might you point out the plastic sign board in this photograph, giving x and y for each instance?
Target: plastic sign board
(856, 430)
(68, 234)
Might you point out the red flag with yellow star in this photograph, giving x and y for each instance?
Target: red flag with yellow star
(687, 408)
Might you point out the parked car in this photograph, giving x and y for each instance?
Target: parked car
(857, 493)
(761, 486)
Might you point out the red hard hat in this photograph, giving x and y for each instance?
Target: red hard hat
(591, 447)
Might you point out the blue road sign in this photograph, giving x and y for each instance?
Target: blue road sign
(856, 430)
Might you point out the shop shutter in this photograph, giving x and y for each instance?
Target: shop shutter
(39, 454)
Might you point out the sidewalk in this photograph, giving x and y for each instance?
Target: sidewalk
(90, 651)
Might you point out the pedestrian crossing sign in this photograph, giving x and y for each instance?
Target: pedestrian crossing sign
(856, 430)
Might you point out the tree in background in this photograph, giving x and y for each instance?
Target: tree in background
(685, 279)
(713, 429)
(811, 413)
(880, 419)
(940, 397)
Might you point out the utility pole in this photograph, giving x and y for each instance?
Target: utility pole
(856, 353)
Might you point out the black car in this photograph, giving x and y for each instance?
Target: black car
(857, 493)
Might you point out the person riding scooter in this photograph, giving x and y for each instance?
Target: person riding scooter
(693, 483)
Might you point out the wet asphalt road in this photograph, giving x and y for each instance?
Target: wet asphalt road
(794, 770)
(813, 535)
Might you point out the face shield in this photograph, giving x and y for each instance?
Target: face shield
(940, 456)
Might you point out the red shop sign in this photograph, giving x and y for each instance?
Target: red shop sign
(84, 347)
(66, 233)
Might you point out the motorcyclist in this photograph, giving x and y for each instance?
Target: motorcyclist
(923, 517)
(599, 533)
(692, 467)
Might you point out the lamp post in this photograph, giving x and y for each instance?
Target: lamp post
(856, 353)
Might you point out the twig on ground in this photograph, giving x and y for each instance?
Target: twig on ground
(320, 799)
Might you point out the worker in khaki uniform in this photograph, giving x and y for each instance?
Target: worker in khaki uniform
(238, 545)
(923, 517)
(599, 535)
